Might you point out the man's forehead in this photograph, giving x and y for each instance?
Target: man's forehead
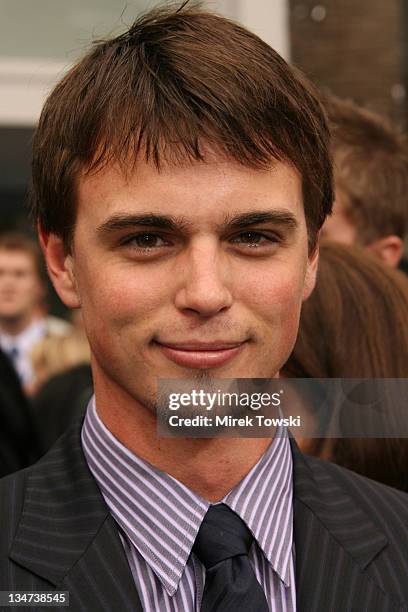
(17, 256)
(140, 168)
(221, 187)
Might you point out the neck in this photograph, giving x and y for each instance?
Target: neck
(13, 326)
(210, 467)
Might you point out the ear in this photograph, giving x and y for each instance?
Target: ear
(60, 267)
(311, 273)
(389, 249)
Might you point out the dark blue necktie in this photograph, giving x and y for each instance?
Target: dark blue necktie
(222, 545)
(13, 353)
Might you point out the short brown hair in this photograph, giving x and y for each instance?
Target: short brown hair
(178, 79)
(18, 242)
(370, 169)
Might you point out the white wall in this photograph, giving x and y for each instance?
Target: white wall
(26, 79)
(267, 18)
(24, 84)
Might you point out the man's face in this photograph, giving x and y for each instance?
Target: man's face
(196, 269)
(20, 287)
(337, 226)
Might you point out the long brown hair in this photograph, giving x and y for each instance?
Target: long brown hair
(355, 325)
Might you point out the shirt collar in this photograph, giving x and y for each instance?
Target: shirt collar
(157, 513)
(25, 340)
(161, 517)
(263, 499)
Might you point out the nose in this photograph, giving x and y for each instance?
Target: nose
(204, 289)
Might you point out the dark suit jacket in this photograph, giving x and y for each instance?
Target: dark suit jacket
(18, 437)
(351, 537)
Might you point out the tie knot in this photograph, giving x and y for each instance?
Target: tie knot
(222, 535)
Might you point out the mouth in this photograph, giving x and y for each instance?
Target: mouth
(201, 354)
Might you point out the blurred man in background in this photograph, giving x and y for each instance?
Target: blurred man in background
(371, 182)
(23, 319)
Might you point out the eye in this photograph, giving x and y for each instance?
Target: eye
(255, 239)
(145, 241)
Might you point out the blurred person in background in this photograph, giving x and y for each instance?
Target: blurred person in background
(371, 182)
(355, 325)
(63, 383)
(23, 317)
(19, 444)
(54, 355)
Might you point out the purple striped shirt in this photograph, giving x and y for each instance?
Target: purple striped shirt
(159, 517)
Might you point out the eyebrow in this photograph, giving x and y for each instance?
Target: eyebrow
(277, 217)
(231, 221)
(124, 221)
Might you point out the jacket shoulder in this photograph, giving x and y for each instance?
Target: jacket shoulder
(12, 492)
(386, 506)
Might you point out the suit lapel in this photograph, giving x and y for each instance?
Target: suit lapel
(67, 537)
(66, 534)
(335, 543)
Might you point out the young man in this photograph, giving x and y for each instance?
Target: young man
(371, 182)
(22, 299)
(181, 176)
